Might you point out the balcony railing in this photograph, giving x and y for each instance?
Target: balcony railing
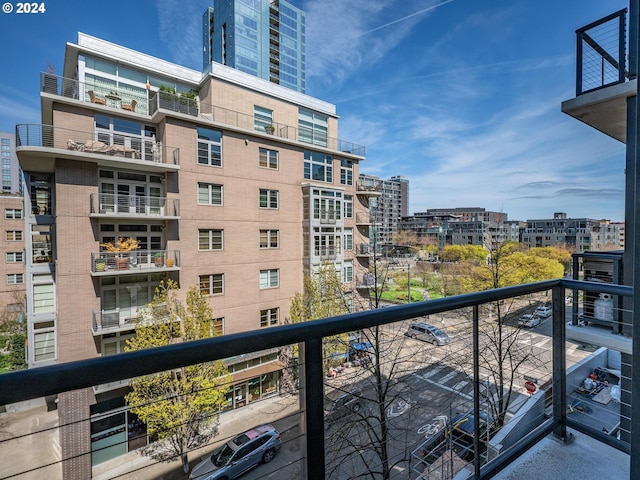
(135, 261)
(114, 145)
(601, 53)
(111, 321)
(426, 383)
(109, 204)
(149, 105)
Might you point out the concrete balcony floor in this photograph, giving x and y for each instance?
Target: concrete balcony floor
(584, 458)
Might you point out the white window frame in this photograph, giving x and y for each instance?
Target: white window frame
(14, 257)
(13, 213)
(212, 190)
(271, 316)
(14, 236)
(15, 278)
(269, 278)
(216, 282)
(210, 233)
(268, 158)
(203, 143)
(348, 238)
(271, 237)
(347, 271)
(271, 198)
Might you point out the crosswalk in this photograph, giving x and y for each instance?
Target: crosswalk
(447, 378)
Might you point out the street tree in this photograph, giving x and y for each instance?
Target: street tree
(177, 406)
(502, 352)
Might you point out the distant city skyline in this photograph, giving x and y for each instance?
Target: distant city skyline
(462, 98)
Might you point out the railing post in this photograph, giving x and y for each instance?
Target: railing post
(559, 363)
(312, 384)
(476, 392)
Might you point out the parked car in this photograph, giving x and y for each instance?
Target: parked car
(427, 333)
(241, 453)
(528, 320)
(342, 405)
(543, 311)
(462, 433)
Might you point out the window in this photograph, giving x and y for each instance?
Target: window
(15, 279)
(348, 238)
(327, 242)
(41, 246)
(14, 235)
(43, 294)
(268, 158)
(269, 238)
(214, 327)
(15, 213)
(212, 284)
(348, 206)
(346, 172)
(14, 257)
(209, 194)
(44, 341)
(347, 271)
(269, 317)
(261, 118)
(210, 239)
(115, 343)
(313, 127)
(318, 166)
(268, 198)
(209, 147)
(269, 278)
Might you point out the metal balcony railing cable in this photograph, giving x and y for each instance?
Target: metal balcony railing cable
(51, 380)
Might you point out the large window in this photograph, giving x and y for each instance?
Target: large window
(327, 242)
(327, 205)
(209, 194)
(209, 147)
(346, 172)
(136, 139)
(348, 206)
(268, 198)
(43, 294)
(268, 158)
(269, 278)
(269, 317)
(212, 284)
(347, 271)
(348, 238)
(313, 127)
(262, 117)
(114, 343)
(318, 166)
(44, 341)
(214, 327)
(41, 250)
(269, 238)
(210, 239)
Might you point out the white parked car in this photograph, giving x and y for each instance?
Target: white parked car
(543, 311)
(528, 320)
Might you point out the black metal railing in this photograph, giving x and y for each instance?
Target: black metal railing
(601, 53)
(66, 377)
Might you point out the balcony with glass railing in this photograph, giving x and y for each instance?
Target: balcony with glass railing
(135, 261)
(416, 409)
(36, 140)
(111, 205)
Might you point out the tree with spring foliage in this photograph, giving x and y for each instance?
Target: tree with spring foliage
(177, 406)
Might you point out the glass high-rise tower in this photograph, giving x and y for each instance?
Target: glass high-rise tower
(265, 38)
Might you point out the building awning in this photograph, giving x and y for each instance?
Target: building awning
(257, 371)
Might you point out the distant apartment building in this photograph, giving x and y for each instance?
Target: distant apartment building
(580, 234)
(214, 198)
(461, 226)
(387, 209)
(11, 176)
(264, 38)
(12, 252)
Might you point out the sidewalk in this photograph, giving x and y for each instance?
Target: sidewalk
(282, 411)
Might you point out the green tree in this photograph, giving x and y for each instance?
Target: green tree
(561, 254)
(323, 296)
(462, 253)
(502, 353)
(178, 406)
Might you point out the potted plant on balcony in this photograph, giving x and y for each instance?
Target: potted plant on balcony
(158, 259)
(100, 264)
(269, 129)
(121, 248)
(187, 103)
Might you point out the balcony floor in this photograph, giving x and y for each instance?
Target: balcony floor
(584, 458)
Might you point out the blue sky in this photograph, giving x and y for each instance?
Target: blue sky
(462, 97)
